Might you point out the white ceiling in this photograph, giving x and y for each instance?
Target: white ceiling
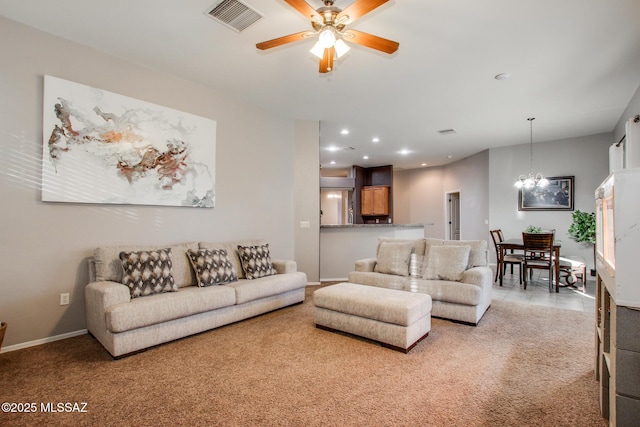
(574, 65)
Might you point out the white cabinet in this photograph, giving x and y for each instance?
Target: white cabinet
(618, 297)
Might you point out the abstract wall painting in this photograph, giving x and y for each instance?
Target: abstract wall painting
(101, 147)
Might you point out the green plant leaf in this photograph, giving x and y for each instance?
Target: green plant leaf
(583, 228)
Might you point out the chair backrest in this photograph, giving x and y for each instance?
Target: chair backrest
(496, 236)
(538, 242)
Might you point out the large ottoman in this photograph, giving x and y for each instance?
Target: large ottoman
(397, 319)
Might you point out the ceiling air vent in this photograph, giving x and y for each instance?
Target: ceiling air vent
(234, 14)
(446, 131)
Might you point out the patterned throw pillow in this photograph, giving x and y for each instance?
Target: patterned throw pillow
(256, 261)
(446, 263)
(148, 272)
(212, 266)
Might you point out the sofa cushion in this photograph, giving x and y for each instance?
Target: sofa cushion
(477, 254)
(378, 279)
(393, 258)
(256, 261)
(108, 265)
(212, 266)
(446, 262)
(147, 272)
(446, 291)
(249, 290)
(141, 312)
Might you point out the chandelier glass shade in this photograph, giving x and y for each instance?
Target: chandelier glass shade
(531, 180)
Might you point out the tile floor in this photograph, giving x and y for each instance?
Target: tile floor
(537, 292)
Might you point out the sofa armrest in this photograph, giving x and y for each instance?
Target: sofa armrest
(98, 297)
(366, 265)
(284, 266)
(479, 276)
(108, 293)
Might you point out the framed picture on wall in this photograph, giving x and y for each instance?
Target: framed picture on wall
(557, 196)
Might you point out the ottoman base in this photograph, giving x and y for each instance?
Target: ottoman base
(389, 346)
(396, 319)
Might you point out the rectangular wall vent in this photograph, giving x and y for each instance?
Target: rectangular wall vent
(234, 14)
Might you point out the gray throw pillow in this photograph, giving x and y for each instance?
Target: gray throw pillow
(393, 258)
(446, 262)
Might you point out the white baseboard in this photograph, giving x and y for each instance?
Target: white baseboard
(43, 341)
(313, 283)
(338, 279)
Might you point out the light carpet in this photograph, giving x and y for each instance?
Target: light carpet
(521, 366)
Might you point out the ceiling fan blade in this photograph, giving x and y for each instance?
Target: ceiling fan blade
(369, 40)
(284, 40)
(303, 7)
(326, 63)
(359, 8)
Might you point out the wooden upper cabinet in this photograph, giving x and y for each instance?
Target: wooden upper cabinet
(375, 200)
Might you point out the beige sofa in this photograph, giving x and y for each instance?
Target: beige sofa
(124, 322)
(454, 273)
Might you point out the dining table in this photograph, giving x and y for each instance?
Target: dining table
(518, 245)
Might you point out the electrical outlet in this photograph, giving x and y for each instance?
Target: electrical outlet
(64, 299)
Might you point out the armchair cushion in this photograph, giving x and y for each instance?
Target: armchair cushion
(477, 253)
(446, 262)
(393, 258)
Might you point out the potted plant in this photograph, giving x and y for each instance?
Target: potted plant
(583, 230)
(533, 229)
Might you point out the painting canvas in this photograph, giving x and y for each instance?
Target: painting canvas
(101, 147)
(558, 195)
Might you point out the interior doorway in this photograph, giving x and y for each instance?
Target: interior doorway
(452, 215)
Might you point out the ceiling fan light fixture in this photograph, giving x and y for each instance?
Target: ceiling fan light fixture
(318, 49)
(341, 48)
(327, 37)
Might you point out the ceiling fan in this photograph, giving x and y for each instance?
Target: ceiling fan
(329, 22)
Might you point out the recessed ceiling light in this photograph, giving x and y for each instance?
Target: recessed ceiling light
(365, 157)
(424, 164)
(375, 139)
(404, 151)
(449, 156)
(333, 162)
(344, 132)
(502, 76)
(332, 148)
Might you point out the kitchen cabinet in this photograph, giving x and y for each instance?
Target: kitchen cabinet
(375, 200)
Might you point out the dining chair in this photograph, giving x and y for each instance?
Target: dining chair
(509, 258)
(538, 254)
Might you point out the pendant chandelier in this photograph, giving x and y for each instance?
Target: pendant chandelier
(531, 180)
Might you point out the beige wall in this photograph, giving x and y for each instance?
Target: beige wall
(45, 246)
(585, 158)
(307, 198)
(419, 196)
